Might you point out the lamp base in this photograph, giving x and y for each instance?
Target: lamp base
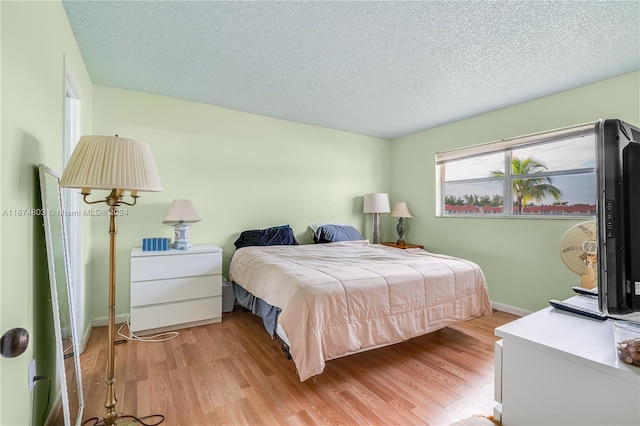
(376, 229)
(126, 422)
(181, 237)
(400, 229)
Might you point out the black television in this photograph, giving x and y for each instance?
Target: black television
(618, 218)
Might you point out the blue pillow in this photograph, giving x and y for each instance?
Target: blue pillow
(335, 233)
(277, 235)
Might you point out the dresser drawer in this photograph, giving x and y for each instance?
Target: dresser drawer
(174, 314)
(145, 268)
(175, 289)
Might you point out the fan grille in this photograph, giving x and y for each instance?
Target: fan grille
(576, 244)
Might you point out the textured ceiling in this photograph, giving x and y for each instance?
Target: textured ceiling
(384, 69)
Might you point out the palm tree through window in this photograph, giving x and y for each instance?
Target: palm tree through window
(551, 174)
(529, 187)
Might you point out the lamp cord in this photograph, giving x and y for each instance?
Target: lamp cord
(156, 338)
(97, 422)
(153, 339)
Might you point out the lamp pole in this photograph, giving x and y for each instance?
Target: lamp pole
(376, 228)
(113, 200)
(111, 401)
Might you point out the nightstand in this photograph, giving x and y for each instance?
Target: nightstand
(175, 288)
(406, 246)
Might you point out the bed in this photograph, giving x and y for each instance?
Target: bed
(335, 299)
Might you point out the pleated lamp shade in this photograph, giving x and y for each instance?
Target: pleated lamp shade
(111, 162)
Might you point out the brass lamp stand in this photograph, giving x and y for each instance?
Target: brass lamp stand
(114, 200)
(118, 165)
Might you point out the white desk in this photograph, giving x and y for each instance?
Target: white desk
(558, 368)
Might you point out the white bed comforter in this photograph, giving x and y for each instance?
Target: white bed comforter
(342, 298)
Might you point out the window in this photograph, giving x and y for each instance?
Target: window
(550, 174)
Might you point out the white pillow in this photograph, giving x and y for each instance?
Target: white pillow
(313, 228)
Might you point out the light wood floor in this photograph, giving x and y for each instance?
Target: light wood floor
(234, 373)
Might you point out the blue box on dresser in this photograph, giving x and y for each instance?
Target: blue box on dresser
(156, 244)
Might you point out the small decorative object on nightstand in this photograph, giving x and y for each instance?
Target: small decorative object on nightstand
(182, 214)
(400, 210)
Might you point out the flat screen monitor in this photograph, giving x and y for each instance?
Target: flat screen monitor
(618, 218)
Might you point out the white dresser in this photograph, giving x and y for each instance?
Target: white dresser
(558, 368)
(175, 288)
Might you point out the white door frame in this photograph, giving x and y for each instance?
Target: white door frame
(73, 204)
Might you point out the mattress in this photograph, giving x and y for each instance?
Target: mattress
(341, 298)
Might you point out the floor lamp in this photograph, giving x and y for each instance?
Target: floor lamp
(117, 165)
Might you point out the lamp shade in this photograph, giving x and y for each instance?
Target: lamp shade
(376, 203)
(181, 211)
(400, 210)
(111, 162)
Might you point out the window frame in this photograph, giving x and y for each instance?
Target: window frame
(507, 146)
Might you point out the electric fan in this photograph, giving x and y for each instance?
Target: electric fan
(578, 250)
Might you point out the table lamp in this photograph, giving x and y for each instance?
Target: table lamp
(400, 210)
(376, 203)
(119, 165)
(182, 214)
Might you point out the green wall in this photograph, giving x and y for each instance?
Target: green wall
(35, 38)
(241, 171)
(520, 257)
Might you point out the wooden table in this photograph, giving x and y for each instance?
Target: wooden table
(403, 246)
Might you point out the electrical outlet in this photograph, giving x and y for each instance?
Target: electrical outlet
(32, 374)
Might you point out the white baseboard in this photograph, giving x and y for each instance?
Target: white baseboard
(85, 338)
(99, 322)
(509, 309)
